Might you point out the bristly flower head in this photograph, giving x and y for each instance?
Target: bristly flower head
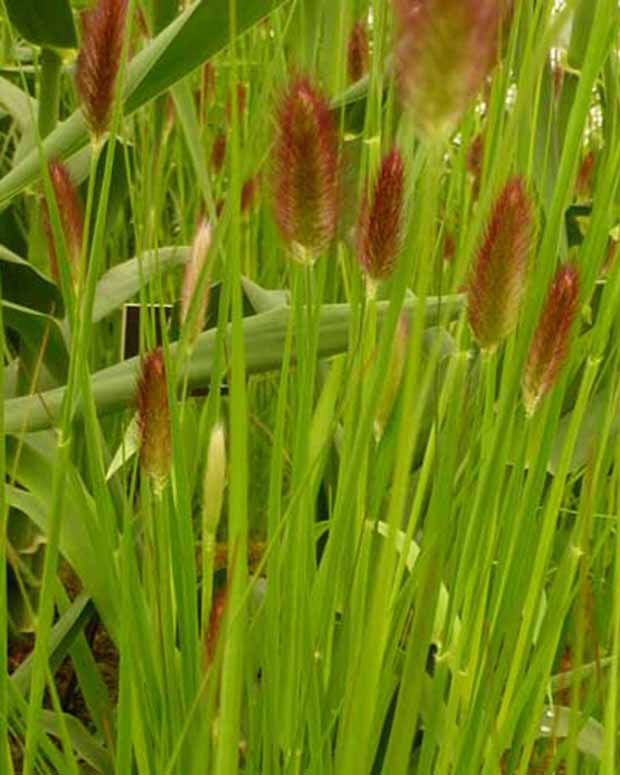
(98, 61)
(193, 271)
(444, 51)
(379, 230)
(305, 185)
(218, 152)
(549, 344)
(357, 53)
(154, 419)
(497, 281)
(71, 221)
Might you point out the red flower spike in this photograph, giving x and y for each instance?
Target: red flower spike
(98, 61)
(154, 419)
(357, 53)
(549, 344)
(585, 175)
(193, 270)
(497, 282)
(218, 152)
(379, 230)
(242, 98)
(305, 186)
(71, 221)
(248, 192)
(444, 51)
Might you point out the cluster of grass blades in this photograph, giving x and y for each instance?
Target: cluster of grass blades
(311, 426)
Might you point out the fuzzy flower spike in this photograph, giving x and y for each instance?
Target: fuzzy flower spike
(549, 345)
(497, 281)
(154, 419)
(379, 230)
(305, 187)
(444, 51)
(71, 222)
(98, 61)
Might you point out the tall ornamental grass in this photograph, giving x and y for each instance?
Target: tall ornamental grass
(311, 459)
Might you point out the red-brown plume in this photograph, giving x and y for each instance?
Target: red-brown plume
(379, 230)
(71, 221)
(497, 281)
(357, 53)
(154, 419)
(306, 176)
(218, 152)
(444, 51)
(98, 61)
(585, 176)
(549, 344)
(248, 192)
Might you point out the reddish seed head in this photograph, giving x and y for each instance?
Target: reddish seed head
(357, 53)
(218, 152)
(248, 192)
(216, 616)
(379, 230)
(98, 61)
(585, 175)
(71, 221)
(154, 419)
(444, 51)
(305, 170)
(242, 98)
(498, 277)
(549, 344)
(449, 247)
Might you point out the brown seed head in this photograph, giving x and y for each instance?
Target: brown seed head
(248, 192)
(585, 175)
(379, 230)
(98, 61)
(71, 221)
(444, 51)
(242, 98)
(357, 53)
(218, 152)
(549, 344)
(154, 419)
(305, 187)
(497, 281)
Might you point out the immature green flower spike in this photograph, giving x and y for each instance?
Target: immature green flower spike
(497, 281)
(305, 186)
(154, 419)
(549, 344)
(193, 270)
(98, 62)
(357, 53)
(379, 230)
(444, 51)
(71, 221)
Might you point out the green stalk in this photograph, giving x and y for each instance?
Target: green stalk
(49, 91)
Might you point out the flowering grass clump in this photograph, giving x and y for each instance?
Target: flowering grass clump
(444, 51)
(71, 221)
(154, 419)
(305, 186)
(497, 281)
(379, 231)
(98, 61)
(549, 345)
